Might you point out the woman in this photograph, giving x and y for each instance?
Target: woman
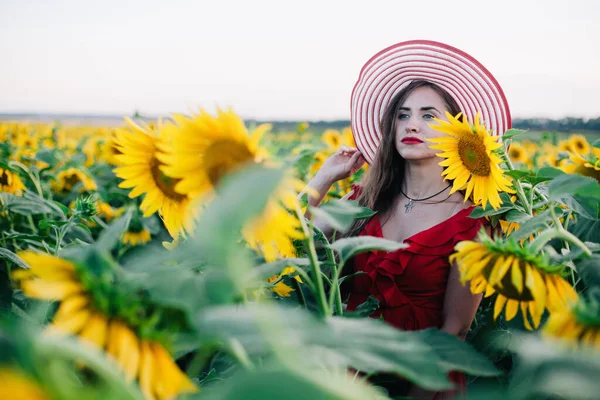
(410, 84)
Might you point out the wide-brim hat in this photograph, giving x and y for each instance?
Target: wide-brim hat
(391, 69)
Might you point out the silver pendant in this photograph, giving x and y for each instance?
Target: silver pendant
(409, 206)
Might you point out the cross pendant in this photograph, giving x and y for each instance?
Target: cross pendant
(409, 206)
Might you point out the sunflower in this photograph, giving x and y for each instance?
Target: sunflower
(274, 231)
(56, 279)
(141, 170)
(332, 138)
(68, 179)
(517, 153)
(470, 160)
(204, 149)
(521, 280)
(17, 386)
(136, 238)
(578, 325)
(588, 165)
(10, 182)
(579, 144)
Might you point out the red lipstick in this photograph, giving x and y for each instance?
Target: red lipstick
(411, 140)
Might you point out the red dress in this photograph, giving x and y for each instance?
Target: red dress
(410, 283)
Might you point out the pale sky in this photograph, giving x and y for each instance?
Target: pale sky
(277, 59)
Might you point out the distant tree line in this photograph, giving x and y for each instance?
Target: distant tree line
(535, 124)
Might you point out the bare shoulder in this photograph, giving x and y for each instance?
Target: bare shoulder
(459, 199)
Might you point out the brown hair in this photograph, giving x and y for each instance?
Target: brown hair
(383, 181)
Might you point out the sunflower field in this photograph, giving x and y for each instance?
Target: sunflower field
(171, 259)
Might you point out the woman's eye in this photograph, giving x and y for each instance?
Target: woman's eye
(428, 116)
(402, 116)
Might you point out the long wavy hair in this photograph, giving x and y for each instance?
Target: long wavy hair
(383, 181)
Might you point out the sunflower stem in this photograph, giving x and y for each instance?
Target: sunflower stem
(566, 235)
(34, 180)
(314, 262)
(517, 183)
(335, 294)
(237, 351)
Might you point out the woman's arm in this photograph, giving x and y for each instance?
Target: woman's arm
(460, 305)
(341, 165)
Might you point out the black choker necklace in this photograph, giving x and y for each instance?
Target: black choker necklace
(409, 206)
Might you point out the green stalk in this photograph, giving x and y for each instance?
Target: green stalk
(34, 180)
(517, 182)
(314, 262)
(558, 232)
(335, 287)
(237, 351)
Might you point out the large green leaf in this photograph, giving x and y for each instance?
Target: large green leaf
(9, 255)
(365, 344)
(457, 354)
(29, 204)
(340, 214)
(110, 236)
(573, 185)
(587, 230)
(589, 270)
(349, 247)
(292, 383)
(240, 197)
(545, 370)
(535, 224)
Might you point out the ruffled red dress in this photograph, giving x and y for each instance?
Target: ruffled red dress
(410, 283)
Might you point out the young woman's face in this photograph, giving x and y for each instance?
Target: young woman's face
(412, 120)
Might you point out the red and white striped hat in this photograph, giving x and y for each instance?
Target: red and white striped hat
(387, 72)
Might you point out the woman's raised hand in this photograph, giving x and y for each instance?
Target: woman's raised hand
(342, 164)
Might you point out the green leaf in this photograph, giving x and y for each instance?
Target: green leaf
(27, 205)
(349, 247)
(516, 174)
(548, 371)
(84, 227)
(266, 270)
(479, 212)
(534, 224)
(241, 197)
(365, 309)
(589, 270)
(587, 230)
(585, 206)
(9, 255)
(110, 236)
(571, 185)
(363, 343)
(63, 208)
(549, 172)
(290, 382)
(516, 216)
(340, 214)
(458, 355)
(510, 133)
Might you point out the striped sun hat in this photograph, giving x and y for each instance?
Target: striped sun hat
(387, 72)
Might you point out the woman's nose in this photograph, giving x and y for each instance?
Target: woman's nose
(412, 126)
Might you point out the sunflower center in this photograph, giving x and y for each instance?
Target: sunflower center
(71, 180)
(587, 171)
(515, 154)
(474, 155)
(506, 286)
(164, 183)
(4, 178)
(223, 157)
